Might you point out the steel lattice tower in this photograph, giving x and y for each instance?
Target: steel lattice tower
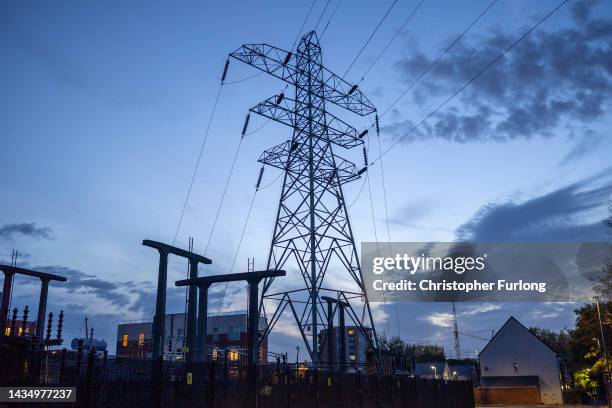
(312, 228)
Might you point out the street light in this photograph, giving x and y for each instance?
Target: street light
(435, 370)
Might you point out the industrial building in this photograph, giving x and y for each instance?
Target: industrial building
(226, 331)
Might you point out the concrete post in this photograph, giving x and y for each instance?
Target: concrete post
(159, 321)
(192, 312)
(330, 331)
(342, 337)
(202, 323)
(253, 342)
(6, 295)
(42, 309)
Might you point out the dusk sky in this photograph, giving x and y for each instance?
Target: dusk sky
(104, 106)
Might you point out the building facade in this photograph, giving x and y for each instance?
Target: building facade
(356, 346)
(227, 331)
(516, 358)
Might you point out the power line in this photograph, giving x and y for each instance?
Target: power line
(478, 74)
(446, 50)
(392, 39)
(370, 38)
(303, 23)
(322, 13)
(197, 165)
(330, 18)
(227, 182)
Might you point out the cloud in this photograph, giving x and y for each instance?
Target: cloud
(9, 231)
(565, 214)
(586, 144)
(439, 319)
(551, 78)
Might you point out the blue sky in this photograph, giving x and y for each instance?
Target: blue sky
(104, 105)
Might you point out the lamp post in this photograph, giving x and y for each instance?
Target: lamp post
(435, 370)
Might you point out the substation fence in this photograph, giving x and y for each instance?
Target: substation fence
(102, 381)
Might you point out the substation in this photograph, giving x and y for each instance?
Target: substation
(311, 235)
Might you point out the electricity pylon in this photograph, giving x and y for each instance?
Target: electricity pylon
(312, 226)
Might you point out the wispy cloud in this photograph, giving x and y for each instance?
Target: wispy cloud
(565, 214)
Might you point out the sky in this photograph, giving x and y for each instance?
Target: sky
(104, 107)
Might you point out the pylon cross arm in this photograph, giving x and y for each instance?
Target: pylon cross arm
(282, 65)
(335, 130)
(278, 156)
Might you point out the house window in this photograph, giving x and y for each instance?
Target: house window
(233, 355)
(141, 339)
(351, 332)
(20, 331)
(7, 331)
(124, 342)
(352, 356)
(234, 333)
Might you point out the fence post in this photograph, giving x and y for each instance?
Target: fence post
(359, 389)
(77, 372)
(210, 392)
(91, 354)
(62, 366)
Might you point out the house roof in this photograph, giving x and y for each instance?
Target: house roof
(512, 318)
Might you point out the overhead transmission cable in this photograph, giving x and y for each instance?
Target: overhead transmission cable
(202, 145)
(321, 15)
(473, 78)
(227, 182)
(392, 39)
(442, 54)
(303, 24)
(333, 14)
(363, 47)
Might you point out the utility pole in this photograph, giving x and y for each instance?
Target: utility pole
(312, 233)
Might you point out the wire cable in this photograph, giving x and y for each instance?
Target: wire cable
(392, 39)
(330, 19)
(197, 165)
(303, 24)
(370, 38)
(376, 239)
(243, 79)
(322, 13)
(444, 52)
(227, 182)
(475, 77)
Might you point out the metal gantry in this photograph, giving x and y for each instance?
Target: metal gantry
(312, 231)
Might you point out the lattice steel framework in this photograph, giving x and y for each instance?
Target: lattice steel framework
(312, 226)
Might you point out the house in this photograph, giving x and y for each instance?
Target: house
(433, 369)
(516, 358)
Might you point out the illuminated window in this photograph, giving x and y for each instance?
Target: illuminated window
(352, 357)
(7, 331)
(124, 343)
(20, 330)
(141, 339)
(233, 355)
(214, 355)
(351, 332)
